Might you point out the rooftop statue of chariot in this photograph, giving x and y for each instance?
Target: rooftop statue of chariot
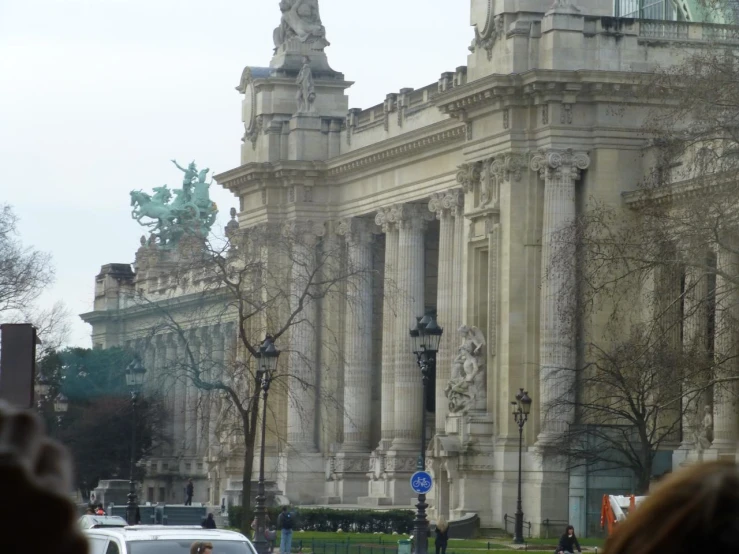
(171, 214)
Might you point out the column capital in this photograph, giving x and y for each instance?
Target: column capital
(387, 219)
(468, 175)
(412, 216)
(565, 163)
(357, 230)
(308, 232)
(446, 204)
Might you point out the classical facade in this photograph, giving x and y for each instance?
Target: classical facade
(451, 194)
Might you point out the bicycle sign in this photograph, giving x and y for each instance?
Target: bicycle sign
(421, 482)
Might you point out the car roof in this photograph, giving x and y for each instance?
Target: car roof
(157, 532)
(90, 521)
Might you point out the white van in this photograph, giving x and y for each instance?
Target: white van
(161, 539)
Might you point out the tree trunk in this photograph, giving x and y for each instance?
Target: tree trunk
(249, 424)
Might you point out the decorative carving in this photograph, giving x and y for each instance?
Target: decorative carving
(560, 163)
(467, 382)
(545, 114)
(446, 203)
(357, 230)
(302, 20)
(487, 38)
(506, 118)
(386, 219)
(469, 175)
(306, 94)
(308, 194)
(264, 196)
(411, 215)
(291, 194)
(703, 431)
(400, 464)
(307, 232)
(566, 116)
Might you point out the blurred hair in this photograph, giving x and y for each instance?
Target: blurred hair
(568, 528)
(695, 509)
(200, 547)
(441, 524)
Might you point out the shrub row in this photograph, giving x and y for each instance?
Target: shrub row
(326, 519)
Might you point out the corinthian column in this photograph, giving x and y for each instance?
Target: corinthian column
(445, 205)
(386, 219)
(725, 417)
(358, 348)
(560, 170)
(412, 220)
(302, 380)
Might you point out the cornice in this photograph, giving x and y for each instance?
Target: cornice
(283, 172)
(397, 148)
(525, 88)
(675, 192)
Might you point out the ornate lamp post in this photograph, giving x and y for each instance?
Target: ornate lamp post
(521, 411)
(267, 360)
(135, 373)
(425, 339)
(61, 405)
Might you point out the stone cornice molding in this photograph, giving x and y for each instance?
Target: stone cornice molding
(412, 216)
(357, 230)
(551, 163)
(410, 148)
(542, 85)
(268, 174)
(446, 204)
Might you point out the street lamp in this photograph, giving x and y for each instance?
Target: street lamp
(425, 339)
(267, 364)
(61, 405)
(521, 411)
(135, 373)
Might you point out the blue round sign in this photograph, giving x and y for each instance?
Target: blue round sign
(421, 482)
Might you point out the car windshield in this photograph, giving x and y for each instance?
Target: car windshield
(182, 546)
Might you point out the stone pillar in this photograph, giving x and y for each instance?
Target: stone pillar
(178, 413)
(444, 205)
(460, 259)
(302, 380)
(358, 348)
(193, 361)
(219, 358)
(203, 397)
(695, 336)
(725, 416)
(412, 220)
(560, 169)
(385, 218)
(302, 468)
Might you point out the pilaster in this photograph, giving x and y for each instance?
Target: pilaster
(560, 170)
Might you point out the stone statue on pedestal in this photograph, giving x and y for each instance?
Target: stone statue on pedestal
(703, 430)
(467, 381)
(301, 20)
(306, 88)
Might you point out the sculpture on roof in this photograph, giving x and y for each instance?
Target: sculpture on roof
(306, 94)
(302, 20)
(191, 212)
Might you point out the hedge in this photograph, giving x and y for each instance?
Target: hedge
(326, 519)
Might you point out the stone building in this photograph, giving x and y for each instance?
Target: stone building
(458, 188)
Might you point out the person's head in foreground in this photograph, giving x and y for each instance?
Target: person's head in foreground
(201, 548)
(695, 509)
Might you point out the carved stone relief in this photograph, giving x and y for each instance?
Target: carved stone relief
(467, 383)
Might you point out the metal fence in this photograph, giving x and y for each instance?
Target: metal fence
(512, 521)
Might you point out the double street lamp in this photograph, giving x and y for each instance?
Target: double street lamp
(135, 373)
(425, 339)
(521, 411)
(267, 364)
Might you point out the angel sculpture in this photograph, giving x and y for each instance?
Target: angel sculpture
(467, 379)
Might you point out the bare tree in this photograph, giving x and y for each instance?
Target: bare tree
(24, 272)
(267, 280)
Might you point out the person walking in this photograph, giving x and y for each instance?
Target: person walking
(285, 523)
(189, 491)
(442, 535)
(568, 542)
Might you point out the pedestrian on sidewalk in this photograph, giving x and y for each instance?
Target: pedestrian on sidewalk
(442, 535)
(189, 491)
(285, 523)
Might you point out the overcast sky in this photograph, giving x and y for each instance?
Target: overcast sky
(96, 96)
